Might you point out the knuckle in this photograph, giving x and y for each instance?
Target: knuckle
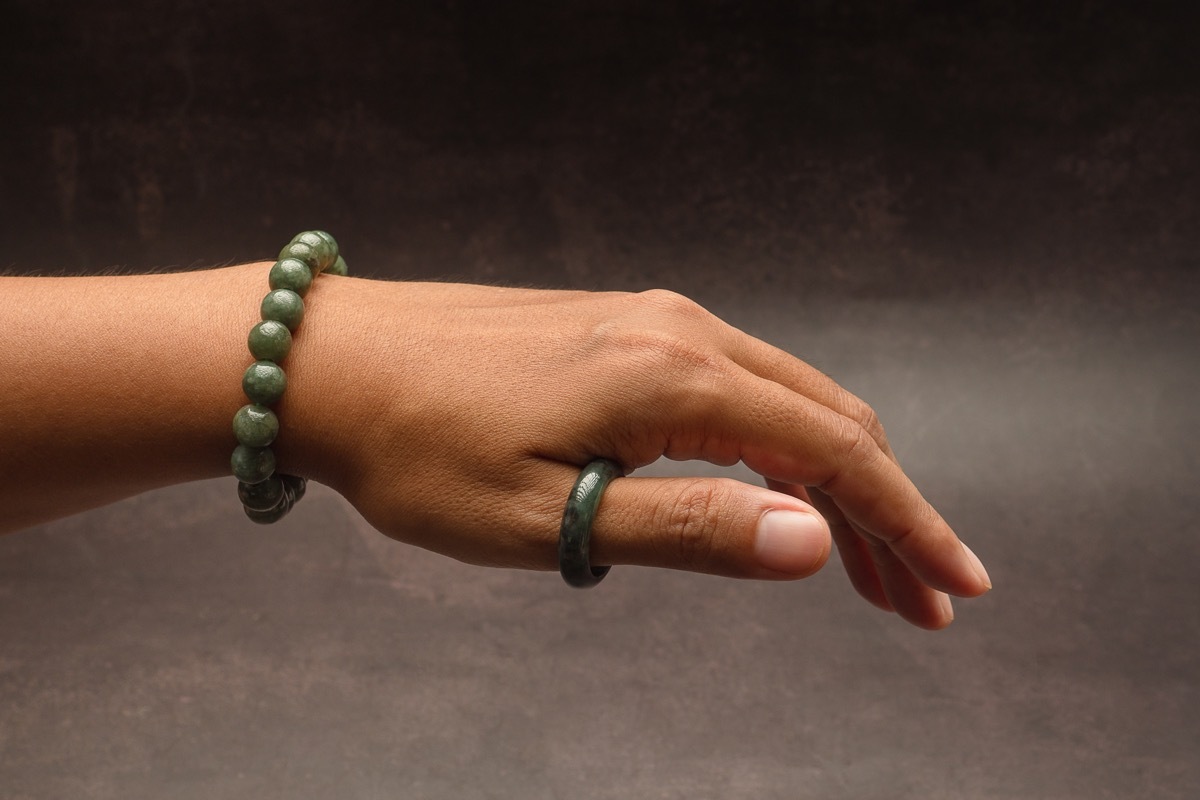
(853, 447)
(670, 303)
(693, 521)
(665, 354)
(858, 447)
(664, 350)
(658, 326)
(867, 419)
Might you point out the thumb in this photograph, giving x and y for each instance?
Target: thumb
(714, 525)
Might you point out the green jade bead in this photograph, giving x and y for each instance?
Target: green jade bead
(290, 273)
(283, 305)
(338, 267)
(323, 248)
(303, 252)
(264, 382)
(252, 464)
(270, 341)
(316, 253)
(255, 425)
(327, 237)
(262, 496)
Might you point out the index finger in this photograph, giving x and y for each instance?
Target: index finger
(767, 361)
(786, 436)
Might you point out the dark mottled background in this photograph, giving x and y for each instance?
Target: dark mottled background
(982, 217)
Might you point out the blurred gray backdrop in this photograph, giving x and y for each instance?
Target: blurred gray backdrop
(980, 217)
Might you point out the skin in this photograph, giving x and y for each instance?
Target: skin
(456, 418)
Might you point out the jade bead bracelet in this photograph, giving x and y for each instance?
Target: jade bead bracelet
(266, 494)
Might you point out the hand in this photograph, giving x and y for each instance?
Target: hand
(457, 418)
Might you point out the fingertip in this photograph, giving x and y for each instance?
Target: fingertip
(947, 566)
(978, 567)
(947, 608)
(933, 617)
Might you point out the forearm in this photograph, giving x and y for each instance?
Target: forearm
(110, 386)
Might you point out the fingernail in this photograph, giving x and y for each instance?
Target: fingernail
(790, 541)
(978, 565)
(947, 608)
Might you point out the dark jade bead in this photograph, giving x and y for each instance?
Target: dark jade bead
(270, 341)
(308, 237)
(338, 267)
(264, 382)
(262, 496)
(255, 425)
(289, 273)
(252, 464)
(302, 251)
(324, 248)
(332, 243)
(317, 253)
(294, 485)
(271, 515)
(283, 305)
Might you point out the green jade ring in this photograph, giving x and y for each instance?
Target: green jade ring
(576, 531)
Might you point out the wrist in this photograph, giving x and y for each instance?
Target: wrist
(320, 411)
